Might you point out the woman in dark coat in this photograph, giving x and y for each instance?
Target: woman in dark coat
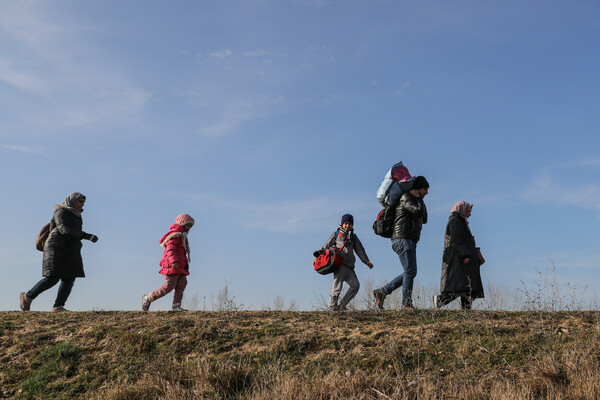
(62, 253)
(460, 261)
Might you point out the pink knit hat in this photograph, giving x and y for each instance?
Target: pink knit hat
(184, 219)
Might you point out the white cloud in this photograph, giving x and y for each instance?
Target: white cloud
(334, 98)
(227, 122)
(314, 3)
(29, 22)
(189, 93)
(249, 88)
(290, 216)
(566, 260)
(222, 127)
(25, 149)
(551, 190)
(224, 116)
(584, 163)
(401, 91)
(263, 53)
(21, 80)
(75, 83)
(221, 54)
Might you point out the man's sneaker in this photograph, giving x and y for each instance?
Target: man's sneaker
(146, 302)
(59, 309)
(24, 302)
(379, 298)
(436, 301)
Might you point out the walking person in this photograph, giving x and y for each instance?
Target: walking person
(344, 238)
(175, 263)
(411, 214)
(460, 261)
(62, 253)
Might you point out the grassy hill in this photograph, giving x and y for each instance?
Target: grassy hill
(423, 354)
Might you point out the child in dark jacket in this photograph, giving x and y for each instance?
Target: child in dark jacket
(175, 263)
(345, 237)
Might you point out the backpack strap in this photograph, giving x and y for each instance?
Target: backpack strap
(346, 241)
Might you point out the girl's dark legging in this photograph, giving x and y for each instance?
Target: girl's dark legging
(64, 290)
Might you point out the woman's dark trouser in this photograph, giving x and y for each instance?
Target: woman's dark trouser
(446, 298)
(64, 290)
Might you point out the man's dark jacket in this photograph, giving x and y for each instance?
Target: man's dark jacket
(411, 214)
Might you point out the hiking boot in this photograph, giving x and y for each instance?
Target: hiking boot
(24, 302)
(379, 298)
(146, 302)
(59, 309)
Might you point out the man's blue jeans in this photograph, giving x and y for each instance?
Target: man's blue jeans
(407, 252)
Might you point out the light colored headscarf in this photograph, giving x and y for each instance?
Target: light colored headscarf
(462, 208)
(182, 220)
(70, 202)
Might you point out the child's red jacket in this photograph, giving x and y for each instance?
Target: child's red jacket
(174, 251)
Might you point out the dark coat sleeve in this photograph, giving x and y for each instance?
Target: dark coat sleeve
(62, 251)
(66, 227)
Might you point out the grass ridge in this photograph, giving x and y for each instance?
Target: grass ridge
(300, 355)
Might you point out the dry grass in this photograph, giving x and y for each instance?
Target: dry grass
(421, 354)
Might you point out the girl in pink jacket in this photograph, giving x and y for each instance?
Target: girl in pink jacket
(175, 263)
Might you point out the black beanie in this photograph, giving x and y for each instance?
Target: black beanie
(347, 218)
(420, 183)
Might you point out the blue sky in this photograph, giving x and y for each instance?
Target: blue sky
(267, 120)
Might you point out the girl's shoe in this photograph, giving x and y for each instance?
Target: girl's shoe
(178, 308)
(24, 302)
(59, 309)
(146, 302)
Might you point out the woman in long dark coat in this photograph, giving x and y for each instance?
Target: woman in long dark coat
(62, 253)
(460, 261)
